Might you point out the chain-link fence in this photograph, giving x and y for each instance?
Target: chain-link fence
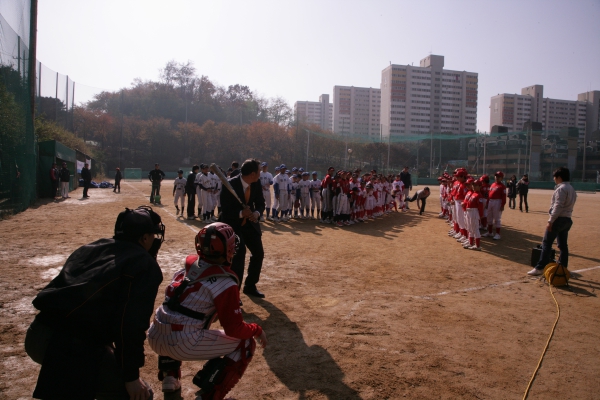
(18, 167)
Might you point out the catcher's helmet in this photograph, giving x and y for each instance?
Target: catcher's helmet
(217, 243)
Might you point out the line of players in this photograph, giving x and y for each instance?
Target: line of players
(342, 198)
(471, 205)
(205, 185)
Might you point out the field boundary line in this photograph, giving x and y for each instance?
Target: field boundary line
(492, 285)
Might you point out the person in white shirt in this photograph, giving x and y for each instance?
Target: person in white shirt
(266, 180)
(179, 191)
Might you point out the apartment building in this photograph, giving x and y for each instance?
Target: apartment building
(315, 112)
(592, 107)
(428, 98)
(356, 110)
(513, 110)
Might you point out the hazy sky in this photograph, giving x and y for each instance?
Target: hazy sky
(301, 49)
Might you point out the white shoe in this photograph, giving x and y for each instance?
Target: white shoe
(170, 384)
(458, 235)
(276, 219)
(487, 234)
(262, 219)
(270, 218)
(535, 272)
(496, 236)
(346, 223)
(215, 219)
(474, 247)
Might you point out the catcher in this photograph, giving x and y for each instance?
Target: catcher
(204, 289)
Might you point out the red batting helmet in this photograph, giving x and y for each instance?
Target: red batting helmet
(217, 243)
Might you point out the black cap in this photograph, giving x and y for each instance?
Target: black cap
(180, 171)
(132, 224)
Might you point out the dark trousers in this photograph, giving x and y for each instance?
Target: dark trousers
(110, 384)
(54, 188)
(191, 204)
(512, 202)
(560, 233)
(251, 239)
(86, 186)
(423, 202)
(155, 191)
(521, 198)
(117, 186)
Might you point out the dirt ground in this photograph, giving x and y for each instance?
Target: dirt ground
(389, 309)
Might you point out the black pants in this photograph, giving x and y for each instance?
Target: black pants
(110, 384)
(54, 188)
(117, 186)
(191, 204)
(521, 198)
(86, 186)
(251, 239)
(512, 202)
(423, 202)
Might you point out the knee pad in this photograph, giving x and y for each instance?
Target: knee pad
(219, 375)
(168, 367)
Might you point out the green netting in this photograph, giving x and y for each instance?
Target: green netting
(18, 158)
(132, 174)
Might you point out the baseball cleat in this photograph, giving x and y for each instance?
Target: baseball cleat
(170, 384)
(535, 272)
(496, 236)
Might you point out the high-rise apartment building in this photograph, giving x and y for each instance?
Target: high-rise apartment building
(313, 112)
(428, 98)
(592, 106)
(513, 110)
(356, 110)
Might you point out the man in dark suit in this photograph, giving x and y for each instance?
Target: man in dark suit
(244, 221)
(86, 175)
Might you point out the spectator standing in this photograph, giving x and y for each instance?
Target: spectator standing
(64, 176)
(86, 175)
(53, 180)
(156, 176)
(511, 192)
(190, 191)
(118, 178)
(559, 221)
(235, 169)
(523, 189)
(406, 179)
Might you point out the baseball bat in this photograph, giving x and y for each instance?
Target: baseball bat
(217, 171)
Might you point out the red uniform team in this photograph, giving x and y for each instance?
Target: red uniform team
(471, 205)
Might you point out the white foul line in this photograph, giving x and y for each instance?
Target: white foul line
(164, 209)
(493, 285)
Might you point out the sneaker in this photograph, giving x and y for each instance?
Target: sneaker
(170, 384)
(340, 223)
(276, 219)
(270, 218)
(496, 236)
(535, 272)
(487, 234)
(346, 223)
(215, 219)
(312, 218)
(262, 219)
(458, 235)
(191, 218)
(474, 247)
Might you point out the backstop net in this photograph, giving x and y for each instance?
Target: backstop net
(18, 154)
(132, 174)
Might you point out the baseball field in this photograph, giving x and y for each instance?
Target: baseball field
(388, 309)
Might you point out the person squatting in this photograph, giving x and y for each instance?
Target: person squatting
(471, 205)
(204, 290)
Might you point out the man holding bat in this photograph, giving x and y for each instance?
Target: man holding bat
(242, 203)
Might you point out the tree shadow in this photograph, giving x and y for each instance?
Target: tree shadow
(300, 367)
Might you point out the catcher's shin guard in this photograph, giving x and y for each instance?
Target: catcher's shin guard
(219, 375)
(168, 367)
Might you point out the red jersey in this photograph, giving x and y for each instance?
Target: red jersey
(466, 200)
(461, 191)
(326, 183)
(498, 192)
(474, 201)
(485, 190)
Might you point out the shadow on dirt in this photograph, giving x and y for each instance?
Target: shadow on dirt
(297, 365)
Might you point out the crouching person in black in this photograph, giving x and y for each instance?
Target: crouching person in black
(89, 335)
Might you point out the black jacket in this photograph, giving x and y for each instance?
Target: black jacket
(230, 207)
(406, 179)
(104, 294)
(86, 175)
(64, 174)
(156, 176)
(523, 187)
(118, 176)
(190, 186)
